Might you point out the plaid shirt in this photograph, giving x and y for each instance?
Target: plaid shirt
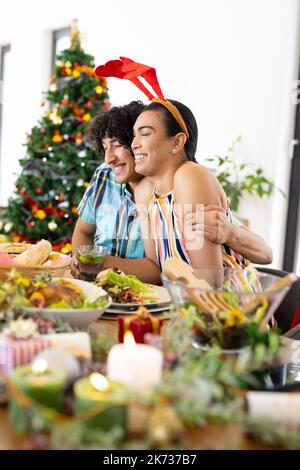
(109, 205)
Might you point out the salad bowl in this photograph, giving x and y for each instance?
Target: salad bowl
(94, 302)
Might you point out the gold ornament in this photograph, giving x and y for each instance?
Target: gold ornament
(86, 117)
(4, 239)
(67, 248)
(40, 214)
(99, 90)
(52, 226)
(76, 74)
(75, 34)
(68, 64)
(164, 427)
(68, 71)
(57, 138)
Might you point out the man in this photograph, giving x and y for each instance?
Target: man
(108, 215)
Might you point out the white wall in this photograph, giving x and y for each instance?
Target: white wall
(231, 61)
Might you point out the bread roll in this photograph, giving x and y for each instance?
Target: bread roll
(35, 255)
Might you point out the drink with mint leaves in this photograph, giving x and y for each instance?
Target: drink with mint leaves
(90, 260)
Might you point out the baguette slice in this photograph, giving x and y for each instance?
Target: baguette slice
(36, 255)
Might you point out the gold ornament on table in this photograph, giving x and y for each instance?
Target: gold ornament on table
(75, 34)
(164, 426)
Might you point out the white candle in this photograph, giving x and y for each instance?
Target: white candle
(280, 407)
(138, 366)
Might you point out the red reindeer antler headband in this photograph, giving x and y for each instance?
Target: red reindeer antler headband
(129, 70)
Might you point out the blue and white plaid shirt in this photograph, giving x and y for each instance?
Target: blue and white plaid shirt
(109, 205)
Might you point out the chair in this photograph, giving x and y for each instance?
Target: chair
(287, 309)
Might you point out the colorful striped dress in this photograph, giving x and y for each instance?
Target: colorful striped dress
(168, 238)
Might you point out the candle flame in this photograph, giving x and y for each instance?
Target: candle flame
(39, 366)
(99, 382)
(129, 340)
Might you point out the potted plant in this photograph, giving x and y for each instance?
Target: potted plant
(238, 179)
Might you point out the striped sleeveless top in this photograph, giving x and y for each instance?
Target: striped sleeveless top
(167, 234)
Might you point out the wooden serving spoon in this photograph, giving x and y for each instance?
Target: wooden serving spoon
(280, 284)
(178, 270)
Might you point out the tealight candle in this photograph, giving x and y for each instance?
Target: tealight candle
(137, 365)
(41, 383)
(38, 381)
(111, 398)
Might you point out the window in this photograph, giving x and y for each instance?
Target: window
(5, 59)
(61, 41)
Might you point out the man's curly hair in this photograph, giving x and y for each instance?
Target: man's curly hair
(116, 123)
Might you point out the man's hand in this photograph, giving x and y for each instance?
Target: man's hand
(214, 224)
(75, 268)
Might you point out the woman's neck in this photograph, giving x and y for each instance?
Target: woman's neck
(164, 181)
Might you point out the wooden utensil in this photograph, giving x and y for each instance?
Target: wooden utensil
(179, 270)
(276, 286)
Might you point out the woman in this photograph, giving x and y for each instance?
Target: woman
(164, 150)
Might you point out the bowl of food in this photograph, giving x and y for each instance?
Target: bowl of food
(228, 307)
(31, 260)
(74, 301)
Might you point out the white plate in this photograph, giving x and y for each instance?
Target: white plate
(76, 317)
(119, 311)
(163, 299)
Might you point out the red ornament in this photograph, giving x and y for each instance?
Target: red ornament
(69, 221)
(28, 225)
(106, 105)
(88, 105)
(61, 197)
(23, 191)
(39, 190)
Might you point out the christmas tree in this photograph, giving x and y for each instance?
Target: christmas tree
(59, 162)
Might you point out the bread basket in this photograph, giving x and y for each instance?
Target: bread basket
(13, 250)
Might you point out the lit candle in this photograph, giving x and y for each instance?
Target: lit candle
(44, 384)
(137, 365)
(39, 382)
(111, 398)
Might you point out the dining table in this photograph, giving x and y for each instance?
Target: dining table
(212, 435)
